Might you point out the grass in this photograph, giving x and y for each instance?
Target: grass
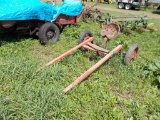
(113, 91)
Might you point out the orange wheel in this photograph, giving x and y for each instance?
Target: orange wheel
(131, 54)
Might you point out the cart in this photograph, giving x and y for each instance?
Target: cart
(41, 19)
(86, 42)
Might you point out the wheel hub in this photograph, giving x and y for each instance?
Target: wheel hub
(133, 56)
(50, 34)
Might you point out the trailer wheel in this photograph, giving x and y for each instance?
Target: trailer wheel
(120, 5)
(84, 36)
(128, 6)
(131, 54)
(97, 17)
(47, 32)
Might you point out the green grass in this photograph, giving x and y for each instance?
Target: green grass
(113, 91)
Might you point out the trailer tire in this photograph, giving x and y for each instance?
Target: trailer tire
(48, 31)
(127, 6)
(97, 17)
(120, 5)
(85, 35)
(131, 54)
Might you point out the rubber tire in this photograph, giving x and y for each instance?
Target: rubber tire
(43, 31)
(83, 35)
(129, 53)
(120, 5)
(97, 16)
(127, 6)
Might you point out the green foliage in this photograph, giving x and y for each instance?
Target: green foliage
(152, 70)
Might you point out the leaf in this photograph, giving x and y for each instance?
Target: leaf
(157, 64)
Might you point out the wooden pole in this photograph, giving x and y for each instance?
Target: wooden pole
(67, 53)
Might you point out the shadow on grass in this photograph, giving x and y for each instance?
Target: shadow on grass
(136, 9)
(12, 38)
(156, 83)
(156, 12)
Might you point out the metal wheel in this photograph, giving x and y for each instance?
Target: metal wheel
(47, 32)
(84, 36)
(97, 17)
(120, 5)
(127, 6)
(131, 54)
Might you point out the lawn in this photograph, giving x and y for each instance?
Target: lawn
(113, 91)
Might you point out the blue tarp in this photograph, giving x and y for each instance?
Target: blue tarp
(34, 9)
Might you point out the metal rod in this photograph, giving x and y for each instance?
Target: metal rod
(67, 53)
(92, 69)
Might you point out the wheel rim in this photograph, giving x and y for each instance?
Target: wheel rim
(87, 36)
(121, 5)
(127, 7)
(134, 55)
(84, 36)
(50, 34)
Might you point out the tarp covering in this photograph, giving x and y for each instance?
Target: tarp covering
(34, 9)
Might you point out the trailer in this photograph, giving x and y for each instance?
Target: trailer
(128, 4)
(33, 17)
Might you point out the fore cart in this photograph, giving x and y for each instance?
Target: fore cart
(86, 42)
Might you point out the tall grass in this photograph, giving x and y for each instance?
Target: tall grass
(113, 91)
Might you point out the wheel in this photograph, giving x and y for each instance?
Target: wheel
(48, 31)
(120, 5)
(84, 36)
(127, 6)
(131, 54)
(97, 17)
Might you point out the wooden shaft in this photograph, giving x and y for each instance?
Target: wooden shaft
(67, 53)
(92, 69)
